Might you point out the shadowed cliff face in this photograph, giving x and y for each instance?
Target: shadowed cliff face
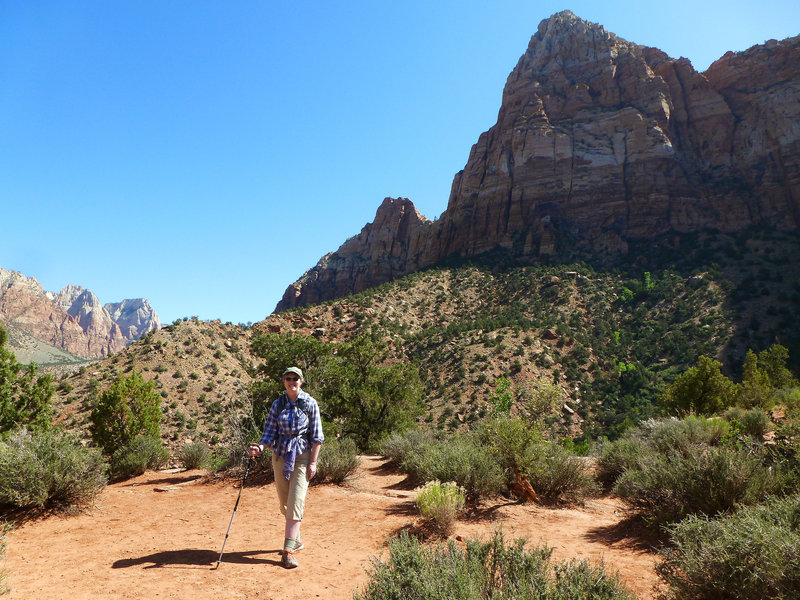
(599, 141)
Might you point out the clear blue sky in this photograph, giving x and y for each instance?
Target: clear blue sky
(205, 154)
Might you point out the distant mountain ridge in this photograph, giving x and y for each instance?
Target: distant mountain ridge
(599, 142)
(73, 319)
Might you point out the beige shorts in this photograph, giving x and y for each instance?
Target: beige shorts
(292, 493)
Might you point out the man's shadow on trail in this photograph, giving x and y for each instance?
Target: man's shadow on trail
(188, 559)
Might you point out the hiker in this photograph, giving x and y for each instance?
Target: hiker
(294, 432)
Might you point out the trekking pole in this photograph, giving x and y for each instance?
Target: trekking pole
(235, 506)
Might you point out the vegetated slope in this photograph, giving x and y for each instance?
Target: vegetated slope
(200, 369)
(28, 349)
(611, 336)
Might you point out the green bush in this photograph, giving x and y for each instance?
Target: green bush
(338, 459)
(25, 399)
(461, 459)
(756, 423)
(484, 570)
(560, 476)
(398, 446)
(440, 504)
(194, 455)
(658, 436)
(669, 486)
(130, 408)
(138, 456)
(617, 456)
(49, 469)
(701, 389)
(750, 555)
(554, 473)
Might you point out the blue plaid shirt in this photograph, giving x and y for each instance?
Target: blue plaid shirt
(290, 432)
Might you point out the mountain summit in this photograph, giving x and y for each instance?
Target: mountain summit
(598, 142)
(73, 319)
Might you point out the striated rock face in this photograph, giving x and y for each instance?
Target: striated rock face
(391, 246)
(72, 319)
(599, 141)
(134, 317)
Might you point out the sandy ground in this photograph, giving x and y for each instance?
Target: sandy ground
(159, 536)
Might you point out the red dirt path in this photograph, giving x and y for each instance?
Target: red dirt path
(159, 536)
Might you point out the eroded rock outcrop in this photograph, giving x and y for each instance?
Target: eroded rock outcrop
(600, 141)
(72, 319)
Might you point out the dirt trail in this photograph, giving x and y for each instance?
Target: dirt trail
(159, 536)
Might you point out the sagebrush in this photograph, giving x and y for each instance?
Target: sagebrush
(49, 468)
(490, 569)
(750, 555)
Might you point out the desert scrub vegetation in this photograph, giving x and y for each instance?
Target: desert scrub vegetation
(554, 473)
(439, 503)
(194, 455)
(496, 458)
(338, 460)
(670, 468)
(129, 408)
(25, 398)
(459, 458)
(137, 456)
(750, 555)
(484, 570)
(48, 469)
(359, 384)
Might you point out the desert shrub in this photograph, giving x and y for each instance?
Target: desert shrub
(756, 423)
(398, 446)
(49, 469)
(138, 456)
(669, 486)
(554, 473)
(130, 408)
(657, 436)
(542, 397)
(701, 389)
(338, 459)
(194, 455)
(750, 555)
(484, 570)
(461, 459)
(560, 476)
(617, 456)
(440, 504)
(25, 399)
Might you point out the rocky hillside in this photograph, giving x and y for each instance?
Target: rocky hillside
(73, 319)
(599, 143)
(610, 339)
(199, 368)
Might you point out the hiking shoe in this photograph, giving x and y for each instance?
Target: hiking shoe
(289, 561)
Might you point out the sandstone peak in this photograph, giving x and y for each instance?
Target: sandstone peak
(599, 141)
(72, 319)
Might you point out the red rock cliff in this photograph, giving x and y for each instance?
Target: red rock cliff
(599, 141)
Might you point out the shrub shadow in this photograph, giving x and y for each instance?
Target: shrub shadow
(403, 509)
(389, 469)
(631, 533)
(475, 513)
(174, 480)
(193, 558)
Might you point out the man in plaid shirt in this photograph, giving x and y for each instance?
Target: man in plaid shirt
(294, 432)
